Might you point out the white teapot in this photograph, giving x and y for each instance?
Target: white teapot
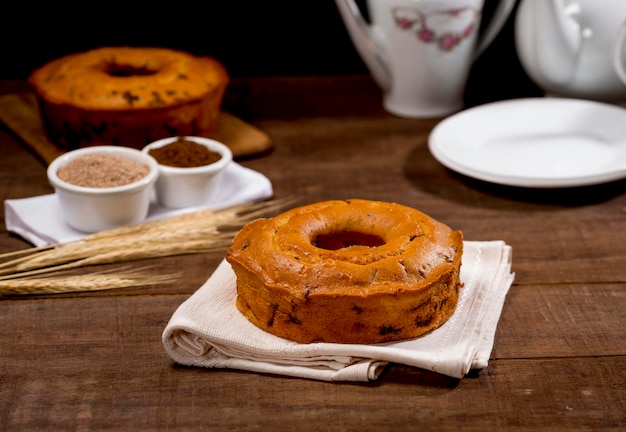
(570, 48)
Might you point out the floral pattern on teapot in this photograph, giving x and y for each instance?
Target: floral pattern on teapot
(443, 26)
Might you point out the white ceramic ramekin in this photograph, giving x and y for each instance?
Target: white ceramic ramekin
(90, 209)
(194, 186)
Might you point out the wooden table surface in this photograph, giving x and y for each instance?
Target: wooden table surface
(94, 361)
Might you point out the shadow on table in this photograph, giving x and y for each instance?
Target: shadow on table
(430, 176)
(402, 374)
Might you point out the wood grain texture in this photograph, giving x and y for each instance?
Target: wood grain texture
(106, 357)
(94, 361)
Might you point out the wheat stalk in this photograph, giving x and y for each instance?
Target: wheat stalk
(76, 283)
(188, 233)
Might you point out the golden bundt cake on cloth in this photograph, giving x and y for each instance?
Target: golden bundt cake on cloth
(353, 271)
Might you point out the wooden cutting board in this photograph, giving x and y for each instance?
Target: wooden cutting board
(21, 114)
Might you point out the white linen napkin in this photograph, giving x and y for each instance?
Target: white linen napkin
(208, 330)
(39, 219)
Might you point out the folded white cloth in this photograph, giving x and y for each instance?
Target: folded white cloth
(39, 219)
(208, 330)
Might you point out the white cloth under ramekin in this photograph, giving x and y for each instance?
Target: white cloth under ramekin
(208, 330)
(39, 219)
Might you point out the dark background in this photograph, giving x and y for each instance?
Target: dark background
(252, 39)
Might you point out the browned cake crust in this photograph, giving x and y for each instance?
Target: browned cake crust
(128, 96)
(352, 271)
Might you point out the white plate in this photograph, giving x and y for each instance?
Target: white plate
(535, 142)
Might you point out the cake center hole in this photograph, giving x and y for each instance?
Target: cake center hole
(343, 239)
(121, 70)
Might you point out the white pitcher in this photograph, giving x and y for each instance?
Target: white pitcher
(573, 48)
(420, 51)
